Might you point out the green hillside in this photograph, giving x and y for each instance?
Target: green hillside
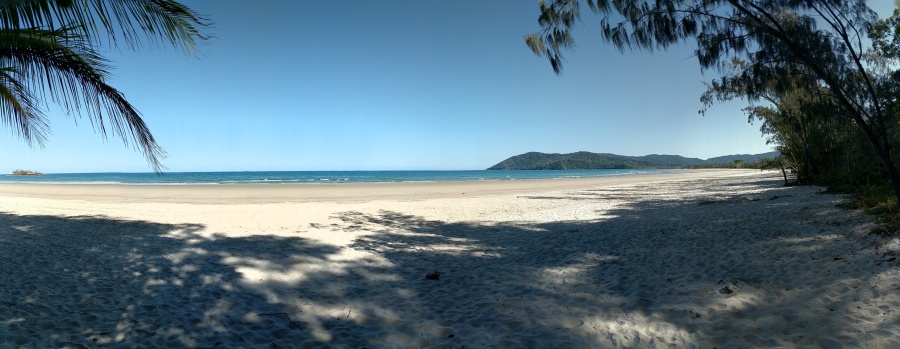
(586, 160)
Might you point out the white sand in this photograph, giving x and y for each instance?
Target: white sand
(604, 263)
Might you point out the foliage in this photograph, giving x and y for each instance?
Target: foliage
(586, 160)
(50, 49)
(822, 91)
(26, 173)
(875, 200)
(574, 161)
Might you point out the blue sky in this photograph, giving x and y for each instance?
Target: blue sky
(390, 85)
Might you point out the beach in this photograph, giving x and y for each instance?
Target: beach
(693, 259)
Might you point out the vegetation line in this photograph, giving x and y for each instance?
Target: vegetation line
(820, 77)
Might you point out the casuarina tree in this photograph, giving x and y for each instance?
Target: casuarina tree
(825, 40)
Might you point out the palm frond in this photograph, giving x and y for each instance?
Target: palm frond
(130, 20)
(48, 50)
(19, 110)
(64, 66)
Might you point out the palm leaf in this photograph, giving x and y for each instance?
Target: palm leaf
(18, 109)
(48, 50)
(160, 20)
(64, 66)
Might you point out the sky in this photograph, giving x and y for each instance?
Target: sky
(392, 85)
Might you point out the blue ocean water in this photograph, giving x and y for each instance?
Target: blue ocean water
(313, 177)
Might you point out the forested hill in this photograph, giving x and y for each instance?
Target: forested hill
(586, 160)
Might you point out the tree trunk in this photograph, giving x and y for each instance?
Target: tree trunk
(883, 152)
(894, 175)
(783, 173)
(833, 162)
(807, 163)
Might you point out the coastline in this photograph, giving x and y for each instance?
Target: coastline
(714, 259)
(273, 193)
(321, 177)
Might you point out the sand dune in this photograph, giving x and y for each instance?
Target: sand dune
(704, 259)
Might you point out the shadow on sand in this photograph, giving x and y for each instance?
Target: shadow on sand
(649, 275)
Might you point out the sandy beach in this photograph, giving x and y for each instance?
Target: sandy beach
(696, 259)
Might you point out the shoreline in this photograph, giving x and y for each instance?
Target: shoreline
(725, 260)
(308, 192)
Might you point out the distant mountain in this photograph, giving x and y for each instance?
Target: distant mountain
(670, 160)
(586, 160)
(743, 157)
(579, 160)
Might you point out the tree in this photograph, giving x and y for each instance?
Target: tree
(797, 118)
(780, 39)
(49, 49)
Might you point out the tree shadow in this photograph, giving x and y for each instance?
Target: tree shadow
(647, 274)
(93, 281)
(658, 272)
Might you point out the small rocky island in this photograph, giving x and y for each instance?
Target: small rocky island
(26, 173)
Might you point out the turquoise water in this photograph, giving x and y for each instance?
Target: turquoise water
(314, 177)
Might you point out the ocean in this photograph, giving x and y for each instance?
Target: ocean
(313, 177)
